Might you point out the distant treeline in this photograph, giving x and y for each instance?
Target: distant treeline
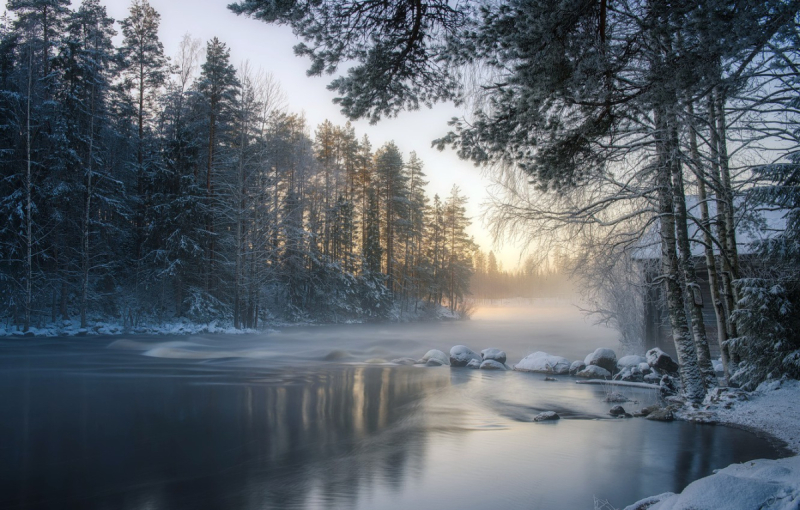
(530, 280)
(141, 188)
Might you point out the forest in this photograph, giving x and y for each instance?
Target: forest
(139, 188)
(654, 138)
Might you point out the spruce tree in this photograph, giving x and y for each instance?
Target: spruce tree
(144, 70)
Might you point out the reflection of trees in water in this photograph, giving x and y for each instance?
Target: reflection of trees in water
(337, 432)
(166, 443)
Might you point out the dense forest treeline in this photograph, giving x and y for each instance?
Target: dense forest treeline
(135, 187)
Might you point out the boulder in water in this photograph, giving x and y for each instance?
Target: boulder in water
(547, 416)
(576, 367)
(594, 372)
(630, 374)
(630, 361)
(661, 414)
(491, 364)
(618, 411)
(616, 397)
(495, 354)
(543, 363)
(460, 355)
(435, 358)
(337, 355)
(473, 363)
(404, 361)
(603, 358)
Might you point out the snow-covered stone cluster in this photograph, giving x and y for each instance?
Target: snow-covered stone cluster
(460, 356)
(657, 368)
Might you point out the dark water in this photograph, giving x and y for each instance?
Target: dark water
(262, 422)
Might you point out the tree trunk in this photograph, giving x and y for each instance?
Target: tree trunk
(28, 214)
(692, 291)
(721, 219)
(727, 190)
(684, 345)
(209, 194)
(711, 264)
(87, 217)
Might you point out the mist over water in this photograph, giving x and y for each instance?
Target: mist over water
(310, 418)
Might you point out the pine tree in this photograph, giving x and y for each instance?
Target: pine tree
(86, 64)
(459, 247)
(144, 68)
(392, 192)
(217, 87)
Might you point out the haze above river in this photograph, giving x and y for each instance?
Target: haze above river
(309, 418)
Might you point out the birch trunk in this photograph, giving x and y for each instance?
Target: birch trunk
(694, 298)
(684, 344)
(708, 242)
(727, 190)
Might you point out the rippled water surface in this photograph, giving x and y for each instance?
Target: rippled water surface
(310, 418)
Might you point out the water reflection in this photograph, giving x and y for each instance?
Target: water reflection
(88, 428)
(95, 443)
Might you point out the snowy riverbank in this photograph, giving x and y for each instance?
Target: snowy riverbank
(187, 327)
(773, 409)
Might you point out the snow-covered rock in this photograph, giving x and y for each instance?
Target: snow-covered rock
(547, 416)
(576, 367)
(616, 397)
(659, 359)
(460, 355)
(435, 358)
(662, 414)
(473, 363)
(668, 386)
(618, 411)
(491, 364)
(653, 377)
(630, 361)
(766, 484)
(645, 368)
(603, 358)
(630, 373)
(404, 361)
(495, 354)
(718, 367)
(594, 372)
(543, 363)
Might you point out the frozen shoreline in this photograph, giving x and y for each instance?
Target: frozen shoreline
(772, 409)
(71, 327)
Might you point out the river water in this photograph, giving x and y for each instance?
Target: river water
(310, 418)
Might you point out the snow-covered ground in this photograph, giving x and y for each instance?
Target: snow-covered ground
(774, 408)
(187, 327)
(72, 328)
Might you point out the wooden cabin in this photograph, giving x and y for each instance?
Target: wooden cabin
(752, 225)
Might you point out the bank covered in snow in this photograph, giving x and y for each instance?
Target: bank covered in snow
(774, 409)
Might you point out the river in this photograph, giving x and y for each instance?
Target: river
(310, 418)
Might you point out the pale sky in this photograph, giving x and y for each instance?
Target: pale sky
(269, 47)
